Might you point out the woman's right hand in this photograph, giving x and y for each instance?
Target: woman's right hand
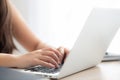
(47, 57)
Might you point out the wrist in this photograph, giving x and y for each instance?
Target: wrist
(14, 61)
(17, 61)
(42, 45)
(8, 60)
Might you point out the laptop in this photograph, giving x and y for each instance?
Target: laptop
(90, 47)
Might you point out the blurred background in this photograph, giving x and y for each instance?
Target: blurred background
(58, 22)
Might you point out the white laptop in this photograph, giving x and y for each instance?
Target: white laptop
(91, 45)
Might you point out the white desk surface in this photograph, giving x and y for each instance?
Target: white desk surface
(103, 71)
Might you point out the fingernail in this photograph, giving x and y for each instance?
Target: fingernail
(57, 66)
(59, 62)
(52, 66)
(62, 50)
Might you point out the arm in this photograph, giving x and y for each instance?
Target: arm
(7, 60)
(23, 34)
(39, 52)
(45, 57)
(27, 60)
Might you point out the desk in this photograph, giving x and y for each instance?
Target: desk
(103, 71)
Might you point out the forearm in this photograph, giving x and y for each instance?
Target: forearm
(7, 60)
(41, 45)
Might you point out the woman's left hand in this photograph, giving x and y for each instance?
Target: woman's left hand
(64, 52)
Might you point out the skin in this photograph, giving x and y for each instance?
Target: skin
(39, 53)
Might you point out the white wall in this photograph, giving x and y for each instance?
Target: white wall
(22, 6)
(58, 22)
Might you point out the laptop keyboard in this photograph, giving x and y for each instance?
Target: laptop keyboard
(44, 69)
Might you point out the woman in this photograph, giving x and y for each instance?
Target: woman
(39, 53)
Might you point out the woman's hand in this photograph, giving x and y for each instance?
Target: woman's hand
(48, 57)
(64, 52)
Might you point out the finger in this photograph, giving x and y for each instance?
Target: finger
(66, 52)
(56, 52)
(49, 60)
(61, 50)
(52, 55)
(43, 63)
(65, 55)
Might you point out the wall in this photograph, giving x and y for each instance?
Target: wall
(22, 6)
(58, 22)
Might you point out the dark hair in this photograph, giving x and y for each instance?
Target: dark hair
(6, 39)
